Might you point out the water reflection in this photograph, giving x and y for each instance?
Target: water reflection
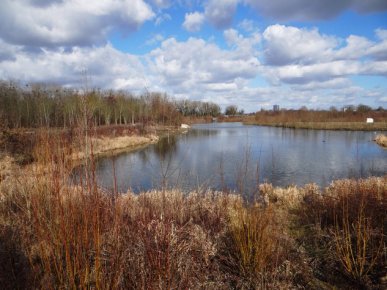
(165, 147)
(238, 157)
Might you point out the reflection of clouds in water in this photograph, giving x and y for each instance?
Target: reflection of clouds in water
(285, 156)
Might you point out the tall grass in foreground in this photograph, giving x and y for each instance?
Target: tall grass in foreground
(344, 230)
(54, 235)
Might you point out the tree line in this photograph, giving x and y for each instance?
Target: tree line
(40, 105)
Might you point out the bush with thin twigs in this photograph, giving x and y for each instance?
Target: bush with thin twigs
(258, 249)
(346, 228)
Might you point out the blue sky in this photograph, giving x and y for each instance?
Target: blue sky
(252, 53)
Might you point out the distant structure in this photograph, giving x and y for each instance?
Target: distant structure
(276, 108)
(349, 108)
(370, 120)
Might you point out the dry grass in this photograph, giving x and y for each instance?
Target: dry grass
(321, 120)
(345, 229)
(7, 167)
(381, 140)
(109, 145)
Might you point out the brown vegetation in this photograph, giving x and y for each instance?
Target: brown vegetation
(342, 229)
(322, 120)
(381, 140)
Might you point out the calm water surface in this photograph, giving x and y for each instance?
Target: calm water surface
(237, 157)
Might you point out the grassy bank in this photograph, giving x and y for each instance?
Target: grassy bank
(56, 235)
(322, 120)
(381, 140)
(349, 126)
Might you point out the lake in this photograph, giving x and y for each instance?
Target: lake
(233, 156)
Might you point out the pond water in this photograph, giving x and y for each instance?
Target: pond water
(237, 157)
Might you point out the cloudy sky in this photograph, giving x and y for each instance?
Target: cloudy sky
(253, 53)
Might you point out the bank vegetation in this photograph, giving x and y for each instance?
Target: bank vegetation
(352, 118)
(381, 139)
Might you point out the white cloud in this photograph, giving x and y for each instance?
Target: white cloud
(302, 56)
(379, 50)
(193, 21)
(55, 41)
(220, 12)
(105, 66)
(201, 69)
(68, 23)
(356, 47)
(287, 44)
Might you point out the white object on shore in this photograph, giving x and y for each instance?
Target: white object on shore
(370, 120)
(185, 126)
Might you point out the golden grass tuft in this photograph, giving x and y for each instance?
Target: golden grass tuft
(381, 139)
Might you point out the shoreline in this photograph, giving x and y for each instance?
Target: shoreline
(107, 146)
(108, 141)
(336, 126)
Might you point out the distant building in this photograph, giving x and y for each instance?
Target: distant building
(276, 108)
(349, 108)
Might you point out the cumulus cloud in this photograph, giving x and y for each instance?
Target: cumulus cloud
(202, 70)
(55, 41)
(193, 21)
(287, 44)
(220, 12)
(355, 48)
(313, 9)
(105, 66)
(379, 50)
(301, 56)
(68, 23)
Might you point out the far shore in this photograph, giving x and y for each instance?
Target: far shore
(344, 126)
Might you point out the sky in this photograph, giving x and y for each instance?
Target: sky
(249, 53)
